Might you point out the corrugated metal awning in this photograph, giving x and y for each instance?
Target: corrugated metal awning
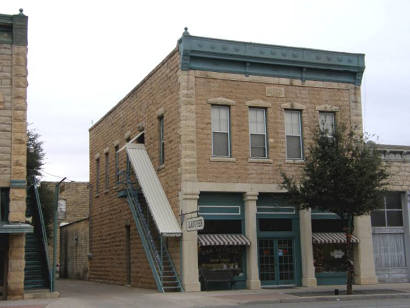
(154, 194)
(332, 238)
(223, 240)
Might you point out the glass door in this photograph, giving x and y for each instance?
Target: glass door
(276, 261)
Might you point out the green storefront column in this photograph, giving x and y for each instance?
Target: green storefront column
(308, 269)
(252, 281)
(190, 274)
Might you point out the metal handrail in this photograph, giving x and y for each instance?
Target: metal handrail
(146, 236)
(43, 230)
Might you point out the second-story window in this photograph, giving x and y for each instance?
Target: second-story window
(161, 141)
(220, 131)
(257, 132)
(117, 164)
(106, 172)
(327, 122)
(97, 176)
(293, 130)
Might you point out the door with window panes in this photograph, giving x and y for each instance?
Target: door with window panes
(389, 239)
(277, 253)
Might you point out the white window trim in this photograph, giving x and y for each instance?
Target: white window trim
(301, 158)
(229, 132)
(265, 132)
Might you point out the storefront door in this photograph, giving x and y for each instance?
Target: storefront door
(276, 261)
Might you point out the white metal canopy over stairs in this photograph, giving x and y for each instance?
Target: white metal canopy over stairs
(154, 194)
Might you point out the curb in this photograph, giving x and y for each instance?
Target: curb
(41, 294)
(343, 298)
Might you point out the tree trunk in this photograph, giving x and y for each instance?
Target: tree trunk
(349, 257)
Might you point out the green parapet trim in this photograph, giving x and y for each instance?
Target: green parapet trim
(18, 184)
(209, 54)
(14, 228)
(13, 29)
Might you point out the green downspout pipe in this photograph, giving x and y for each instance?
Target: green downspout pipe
(53, 276)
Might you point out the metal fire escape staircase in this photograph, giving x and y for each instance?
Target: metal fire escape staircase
(148, 186)
(37, 269)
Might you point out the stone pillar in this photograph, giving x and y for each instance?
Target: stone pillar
(364, 268)
(190, 274)
(308, 269)
(252, 269)
(15, 276)
(17, 206)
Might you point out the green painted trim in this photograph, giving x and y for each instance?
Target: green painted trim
(13, 29)
(331, 278)
(14, 228)
(209, 54)
(228, 205)
(18, 184)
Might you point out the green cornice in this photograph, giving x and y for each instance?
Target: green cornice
(13, 29)
(208, 54)
(18, 184)
(13, 228)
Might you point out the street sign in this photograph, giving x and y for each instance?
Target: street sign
(195, 224)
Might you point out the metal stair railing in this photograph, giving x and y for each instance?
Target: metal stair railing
(156, 257)
(146, 239)
(42, 230)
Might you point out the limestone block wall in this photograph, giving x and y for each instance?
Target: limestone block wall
(276, 95)
(76, 195)
(155, 96)
(13, 125)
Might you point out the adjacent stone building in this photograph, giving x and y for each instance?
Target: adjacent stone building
(74, 241)
(391, 223)
(13, 108)
(211, 128)
(73, 206)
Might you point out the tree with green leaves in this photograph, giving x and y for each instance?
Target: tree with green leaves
(343, 174)
(35, 162)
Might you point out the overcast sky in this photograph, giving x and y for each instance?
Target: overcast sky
(84, 56)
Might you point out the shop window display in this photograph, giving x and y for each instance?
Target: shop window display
(222, 264)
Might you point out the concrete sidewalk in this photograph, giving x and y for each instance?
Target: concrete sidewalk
(76, 293)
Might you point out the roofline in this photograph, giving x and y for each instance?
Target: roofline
(393, 147)
(14, 29)
(73, 222)
(175, 50)
(209, 54)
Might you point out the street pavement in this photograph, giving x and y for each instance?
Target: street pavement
(79, 294)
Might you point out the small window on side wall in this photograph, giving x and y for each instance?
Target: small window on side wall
(293, 131)
(257, 133)
(220, 131)
(97, 176)
(161, 141)
(327, 123)
(117, 164)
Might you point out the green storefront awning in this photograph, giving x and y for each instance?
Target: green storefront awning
(15, 227)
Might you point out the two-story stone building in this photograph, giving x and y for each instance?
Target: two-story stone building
(208, 133)
(13, 107)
